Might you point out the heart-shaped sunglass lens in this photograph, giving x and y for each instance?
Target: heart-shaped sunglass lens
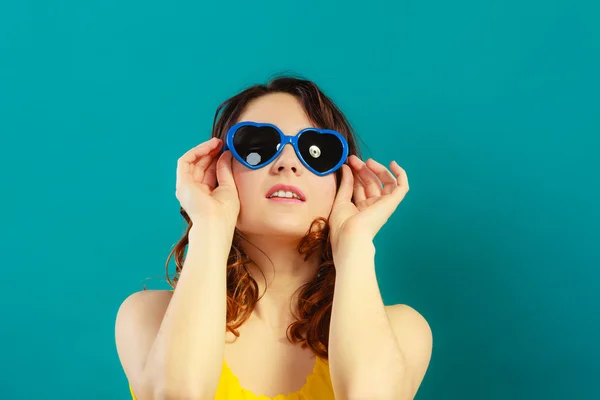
(322, 151)
(256, 144)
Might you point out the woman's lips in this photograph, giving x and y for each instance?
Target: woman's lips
(285, 188)
(285, 200)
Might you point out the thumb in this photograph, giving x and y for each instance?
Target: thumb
(224, 172)
(344, 193)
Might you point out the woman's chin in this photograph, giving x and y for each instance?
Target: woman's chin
(287, 228)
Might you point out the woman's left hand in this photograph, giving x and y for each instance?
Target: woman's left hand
(368, 195)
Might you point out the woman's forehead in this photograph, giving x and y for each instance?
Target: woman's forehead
(280, 109)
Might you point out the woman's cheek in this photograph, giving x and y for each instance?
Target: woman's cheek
(326, 193)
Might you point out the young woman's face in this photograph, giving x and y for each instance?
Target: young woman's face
(273, 216)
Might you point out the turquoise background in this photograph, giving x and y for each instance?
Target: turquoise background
(492, 107)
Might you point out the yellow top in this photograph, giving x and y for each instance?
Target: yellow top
(318, 386)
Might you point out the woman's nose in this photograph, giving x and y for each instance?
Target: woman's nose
(287, 160)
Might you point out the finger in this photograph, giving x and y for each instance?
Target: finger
(385, 176)
(200, 150)
(201, 166)
(402, 178)
(210, 175)
(345, 191)
(185, 168)
(371, 182)
(224, 171)
(389, 203)
(359, 194)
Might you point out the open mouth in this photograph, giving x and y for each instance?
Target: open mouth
(285, 193)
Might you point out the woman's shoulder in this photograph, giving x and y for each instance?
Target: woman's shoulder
(146, 301)
(143, 307)
(137, 323)
(405, 318)
(150, 295)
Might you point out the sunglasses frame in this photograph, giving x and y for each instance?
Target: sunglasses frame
(284, 140)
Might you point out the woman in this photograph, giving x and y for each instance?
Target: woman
(280, 210)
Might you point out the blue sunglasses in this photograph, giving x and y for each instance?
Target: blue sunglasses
(322, 151)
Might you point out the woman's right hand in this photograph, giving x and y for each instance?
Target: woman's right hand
(198, 172)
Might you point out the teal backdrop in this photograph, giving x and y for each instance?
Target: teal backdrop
(492, 107)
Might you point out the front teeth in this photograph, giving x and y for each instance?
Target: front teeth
(284, 194)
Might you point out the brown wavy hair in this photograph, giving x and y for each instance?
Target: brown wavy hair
(311, 327)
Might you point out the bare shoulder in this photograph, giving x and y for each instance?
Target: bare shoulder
(409, 325)
(406, 315)
(145, 300)
(146, 307)
(142, 311)
(414, 337)
(137, 323)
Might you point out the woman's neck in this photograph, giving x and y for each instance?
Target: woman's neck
(285, 271)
